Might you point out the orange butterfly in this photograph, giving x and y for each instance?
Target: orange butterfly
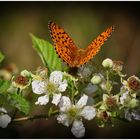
(69, 52)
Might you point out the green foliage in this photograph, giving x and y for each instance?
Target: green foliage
(47, 53)
(1, 57)
(4, 85)
(16, 100)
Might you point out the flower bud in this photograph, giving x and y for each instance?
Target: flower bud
(107, 63)
(103, 85)
(12, 68)
(134, 103)
(25, 73)
(96, 79)
(6, 75)
(42, 72)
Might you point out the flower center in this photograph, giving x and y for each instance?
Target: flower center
(133, 83)
(51, 87)
(104, 116)
(72, 112)
(21, 80)
(111, 102)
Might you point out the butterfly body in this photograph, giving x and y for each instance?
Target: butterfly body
(69, 52)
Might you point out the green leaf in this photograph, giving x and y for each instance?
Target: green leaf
(3, 99)
(1, 57)
(19, 102)
(47, 53)
(4, 85)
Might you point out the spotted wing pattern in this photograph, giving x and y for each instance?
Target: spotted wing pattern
(64, 45)
(68, 51)
(95, 46)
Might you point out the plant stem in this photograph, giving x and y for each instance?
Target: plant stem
(30, 118)
(18, 91)
(42, 116)
(16, 110)
(98, 104)
(21, 119)
(108, 84)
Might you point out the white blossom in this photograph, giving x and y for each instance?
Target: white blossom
(131, 115)
(135, 114)
(43, 100)
(82, 101)
(64, 119)
(88, 112)
(78, 129)
(5, 119)
(62, 87)
(73, 114)
(124, 97)
(38, 87)
(65, 104)
(50, 87)
(56, 77)
(56, 98)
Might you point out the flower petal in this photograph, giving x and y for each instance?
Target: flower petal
(65, 104)
(82, 101)
(105, 96)
(56, 98)
(78, 129)
(4, 120)
(63, 85)
(124, 97)
(128, 115)
(3, 110)
(90, 89)
(64, 119)
(88, 112)
(136, 115)
(56, 77)
(38, 87)
(43, 100)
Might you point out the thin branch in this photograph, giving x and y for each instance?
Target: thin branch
(98, 104)
(42, 116)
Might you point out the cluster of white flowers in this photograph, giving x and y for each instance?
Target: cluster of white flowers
(71, 104)
(126, 100)
(69, 113)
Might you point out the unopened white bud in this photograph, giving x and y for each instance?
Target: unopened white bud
(107, 63)
(96, 79)
(25, 73)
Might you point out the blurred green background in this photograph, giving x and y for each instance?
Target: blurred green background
(83, 21)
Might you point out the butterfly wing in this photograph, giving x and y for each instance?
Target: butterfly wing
(64, 45)
(95, 46)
